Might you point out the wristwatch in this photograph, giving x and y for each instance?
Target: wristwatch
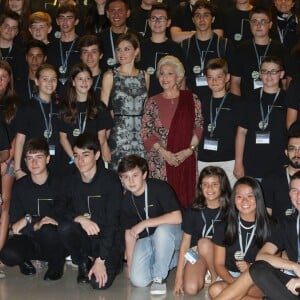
(28, 219)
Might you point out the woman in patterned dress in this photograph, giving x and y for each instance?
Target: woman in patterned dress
(171, 131)
(124, 91)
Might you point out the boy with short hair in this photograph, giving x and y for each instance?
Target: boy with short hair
(40, 26)
(151, 217)
(219, 110)
(90, 204)
(33, 218)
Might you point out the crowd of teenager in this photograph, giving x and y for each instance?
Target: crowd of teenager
(156, 135)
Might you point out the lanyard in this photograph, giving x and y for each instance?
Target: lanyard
(247, 245)
(97, 81)
(265, 119)
(48, 124)
(64, 62)
(29, 89)
(202, 59)
(146, 207)
(112, 44)
(81, 125)
(298, 242)
(213, 121)
(256, 52)
(205, 233)
(8, 53)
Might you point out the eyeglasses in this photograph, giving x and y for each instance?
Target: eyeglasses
(293, 149)
(202, 16)
(270, 72)
(158, 19)
(259, 22)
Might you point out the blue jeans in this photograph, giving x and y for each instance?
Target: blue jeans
(154, 256)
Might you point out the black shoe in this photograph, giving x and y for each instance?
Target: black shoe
(54, 273)
(83, 271)
(27, 268)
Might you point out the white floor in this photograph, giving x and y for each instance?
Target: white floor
(17, 286)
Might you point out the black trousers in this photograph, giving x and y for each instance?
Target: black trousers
(43, 244)
(80, 246)
(271, 281)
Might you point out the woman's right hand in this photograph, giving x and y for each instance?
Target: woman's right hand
(178, 286)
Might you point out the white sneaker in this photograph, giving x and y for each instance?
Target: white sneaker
(158, 286)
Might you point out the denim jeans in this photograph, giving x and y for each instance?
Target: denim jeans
(154, 256)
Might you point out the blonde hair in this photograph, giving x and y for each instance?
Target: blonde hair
(174, 62)
(40, 16)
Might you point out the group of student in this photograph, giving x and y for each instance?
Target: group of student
(72, 102)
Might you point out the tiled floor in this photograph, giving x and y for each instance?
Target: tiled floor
(17, 286)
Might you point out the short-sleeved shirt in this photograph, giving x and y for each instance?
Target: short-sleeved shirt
(194, 221)
(161, 200)
(260, 159)
(4, 141)
(138, 21)
(219, 237)
(194, 49)
(246, 63)
(225, 130)
(30, 122)
(276, 193)
(284, 236)
(151, 53)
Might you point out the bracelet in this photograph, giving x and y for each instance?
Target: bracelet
(16, 171)
(192, 147)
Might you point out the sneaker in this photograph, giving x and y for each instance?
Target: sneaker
(158, 286)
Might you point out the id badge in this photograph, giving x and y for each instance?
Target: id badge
(191, 256)
(210, 144)
(201, 81)
(257, 84)
(262, 137)
(52, 150)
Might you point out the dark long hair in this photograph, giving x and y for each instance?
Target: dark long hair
(69, 103)
(91, 20)
(200, 201)
(9, 100)
(262, 219)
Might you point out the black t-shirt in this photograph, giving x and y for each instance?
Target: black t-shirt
(194, 221)
(4, 141)
(276, 193)
(246, 62)
(262, 159)
(59, 53)
(284, 236)
(225, 130)
(25, 88)
(161, 200)
(236, 25)
(108, 45)
(151, 53)
(293, 95)
(219, 237)
(138, 21)
(38, 200)
(30, 122)
(285, 31)
(194, 49)
(100, 198)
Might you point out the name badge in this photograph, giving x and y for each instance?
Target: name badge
(257, 84)
(52, 150)
(262, 138)
(210, 144)
(191, 256)
(201, 81)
